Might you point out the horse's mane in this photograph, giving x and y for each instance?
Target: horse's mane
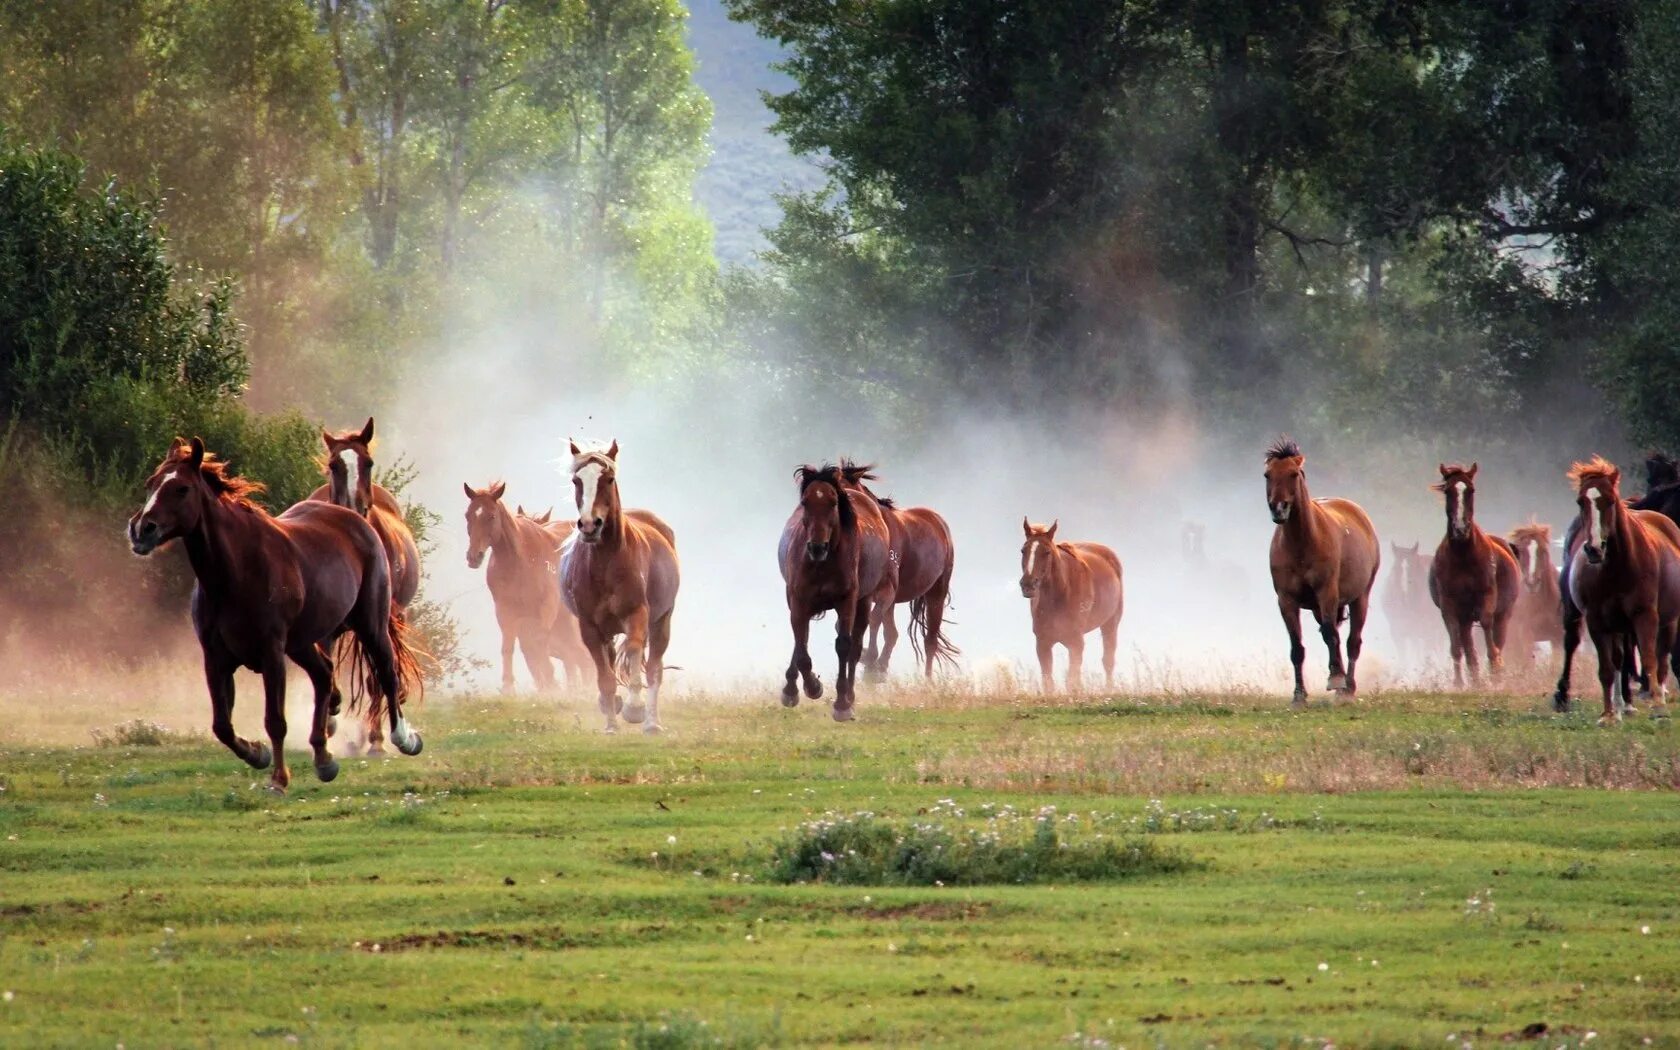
(229, 488)
(1447, 471)
(807, 475)
(1534, 530)
(1596, 467)
(1282, 448)
(857, 474)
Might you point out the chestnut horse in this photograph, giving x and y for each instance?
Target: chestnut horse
(920, 559)
(1072, 590)
(1538, 617)
(1473, 579)
(834, 554)
(1624, 577)
(618, 576)
(271, 588)
(1324, 558)
(1411, 616)
(384, 513)
(524, 555)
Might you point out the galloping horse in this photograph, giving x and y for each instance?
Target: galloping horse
(1411, 616)
(271, 588)
(618, 576)
(920, 559)
(1073, 589)
(524, 553)
(834, 554)
(1473, 579)
(1537, 618)
(1324, 558)
(1624, 577)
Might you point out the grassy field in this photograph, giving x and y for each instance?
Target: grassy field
(1412, 870)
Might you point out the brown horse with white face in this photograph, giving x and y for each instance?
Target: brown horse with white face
(1324, 559)
(1624, 576)
(524, 554)
(834, 554)
(1539, 600)
(1473, 577)
(269, 589)
(618, 576)
(1072, 590)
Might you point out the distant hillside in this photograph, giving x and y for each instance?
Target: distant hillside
(749, 165)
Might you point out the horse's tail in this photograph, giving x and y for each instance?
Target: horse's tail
(409, 659)
(944, 652)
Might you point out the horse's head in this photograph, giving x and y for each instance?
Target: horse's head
(360, 443)
(175, 499)
(484, 520)
(1533, 543)
(1458, 485)
(1660, 469)
(826, 508)
(595, 486)
(1597, 494)
(1405, 559)
(1037, 553)
(1286, 479)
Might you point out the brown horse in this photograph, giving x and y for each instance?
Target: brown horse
(1412, 617)
(271, 588)
(920, 558)
(1072, 590)
(1324, 558)
(1625, 578)
(1537, 618)
(524, 554)
(1473, 579)
(834, 554)
(618, 576)
(384, 513)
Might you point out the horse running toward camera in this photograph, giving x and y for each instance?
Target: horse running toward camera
(834, 554)
(271, 588)
(1072, 590)
(384, 513)
(1473, 578)
(1324, 558)
(524, 555)
(1624, 577)
(1538, 616)
(618, 575)
(1412, 618)
(920, 559)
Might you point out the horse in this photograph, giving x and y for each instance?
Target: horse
(1405, 601)
(1661, 471)
(920, 558)
(834, 554)
(524, 556)
(1624, 577)
(618, 575)
(384, 513)
(1324, 558)
(1537, 617)
(1473, 578)
(269, 588)
(1072, 589)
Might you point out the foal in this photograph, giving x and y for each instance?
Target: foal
(1073, 589)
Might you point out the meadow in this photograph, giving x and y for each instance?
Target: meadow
(1408, 870)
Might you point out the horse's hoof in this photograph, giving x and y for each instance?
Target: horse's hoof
(415, 744)
(1609, 720)
(263, 758)
(1299, 700)
(1560, 705)
(507, 688)
(652, 729)
(813, 688)
(790, 698)
(374, 750)
(842, 714)
(276, 788)
(634, 712)
(327, 771)
(1337, 683)
(610, 729)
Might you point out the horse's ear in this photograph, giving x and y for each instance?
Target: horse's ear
(1026, 526)
(612, 451)
(497, 490)
(326, 438)
(367, 431)
(1052, 532)
(197, 452)
(573, 443)
(1442, 467)
(468, 489)
(1472, 471)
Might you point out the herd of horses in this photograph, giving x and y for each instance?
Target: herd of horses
(328, 582)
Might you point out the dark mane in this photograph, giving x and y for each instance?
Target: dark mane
(807, 475)
(856, 474)
(1282, 448)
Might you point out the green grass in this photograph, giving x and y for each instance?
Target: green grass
(1386, 874)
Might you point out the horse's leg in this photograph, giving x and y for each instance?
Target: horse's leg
(320, 671)
(1046, 663)
(659, 639)
(635, 653)
(1455, 645)
(880, 613)
(1665, 644)
(509, 636)
(1645, 627)
(1493, 636)
(606, 677)
(1467, 646)
(1290, 609)
(533, 646)
(851, 618)
(335, 700)
(1076, 665)
(274, 718)
(1332, 635)
(1571, 641)
(1110, 642)
(799, 665)
(1609, 663)
(889, 641)
(1356, 639)
(218, 674)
